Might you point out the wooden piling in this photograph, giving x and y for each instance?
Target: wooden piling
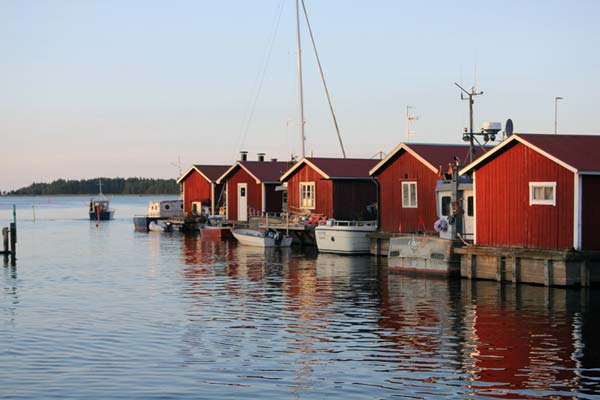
(13, 240)
(5, 241)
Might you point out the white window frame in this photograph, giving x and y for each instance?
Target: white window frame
(544, 202)
(311, 187)
(409, 184)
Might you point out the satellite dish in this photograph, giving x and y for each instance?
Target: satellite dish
(508, 128)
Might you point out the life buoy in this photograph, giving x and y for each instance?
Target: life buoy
(441, 225)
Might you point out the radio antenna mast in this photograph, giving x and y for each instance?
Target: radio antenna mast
(470, 134)
(410, 120)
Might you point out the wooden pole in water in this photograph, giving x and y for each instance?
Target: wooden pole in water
(13, 240)
(5, 241)
(287, 224)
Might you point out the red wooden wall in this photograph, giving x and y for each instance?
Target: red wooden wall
(406, 168)
(590, 213)
(503, 214)
(273, 198)
(253, 194)
(196, 188)
(351, 198)
(323, 191)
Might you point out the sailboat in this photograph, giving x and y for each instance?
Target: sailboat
(99, 207)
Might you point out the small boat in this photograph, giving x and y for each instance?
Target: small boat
(160, 226)
(344, 237)
(158, 214)
(99, 207)
(266, 238)
(214, 228)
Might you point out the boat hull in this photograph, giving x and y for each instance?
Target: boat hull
(248, 237)
(344, 239)
(423, 254)
(104, 215)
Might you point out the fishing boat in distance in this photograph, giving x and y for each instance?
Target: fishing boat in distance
(158, 214)
(99, 207)
(344, 237)
(261, 238)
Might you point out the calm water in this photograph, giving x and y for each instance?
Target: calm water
(105, 312)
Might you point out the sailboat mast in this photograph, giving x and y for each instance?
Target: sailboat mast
(300, 94)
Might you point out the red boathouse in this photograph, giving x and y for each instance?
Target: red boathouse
(339, 188)
(538, 191)
(251, 187)
(200, 188)
(407, 179)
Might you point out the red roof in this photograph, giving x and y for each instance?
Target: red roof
(434, 155)
(578, 153)
(212, 172)
(262, 171)
(336, 168)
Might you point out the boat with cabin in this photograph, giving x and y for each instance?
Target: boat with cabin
(159, 212)
(99, 207)
(344, 237)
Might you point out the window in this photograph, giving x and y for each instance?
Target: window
(543, 193)
(307, 195)
(446, 206)
(409, 194)
(470, 206)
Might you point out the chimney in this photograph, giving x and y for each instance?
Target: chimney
(274, 159)
(261, 156)
(243, 155)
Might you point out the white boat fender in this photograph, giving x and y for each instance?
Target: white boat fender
(440, 225)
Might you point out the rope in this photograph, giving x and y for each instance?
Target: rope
(312, 39)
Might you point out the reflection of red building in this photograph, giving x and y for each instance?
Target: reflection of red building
(199, 184)
(513, 351)
(251, 188)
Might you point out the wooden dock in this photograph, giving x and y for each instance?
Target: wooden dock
(540, 267)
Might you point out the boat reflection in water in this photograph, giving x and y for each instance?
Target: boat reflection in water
(303, 324)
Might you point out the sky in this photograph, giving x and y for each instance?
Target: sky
(147, 88)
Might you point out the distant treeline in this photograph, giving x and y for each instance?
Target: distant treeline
(109, 186)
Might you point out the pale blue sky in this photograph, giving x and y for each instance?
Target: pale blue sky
(124, 88)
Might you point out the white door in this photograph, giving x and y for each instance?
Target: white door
(242, 202)
(469, 206)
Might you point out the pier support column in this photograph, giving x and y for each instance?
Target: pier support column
(516, 269)
(584, 273)
(500, 268)
(471, 266)
(548, 273)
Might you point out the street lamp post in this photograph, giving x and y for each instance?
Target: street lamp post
(556, 99)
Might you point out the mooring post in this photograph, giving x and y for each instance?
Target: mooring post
(5, 241)
(548, 273)
(13, 240)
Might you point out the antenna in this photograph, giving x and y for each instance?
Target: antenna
(410, 120)
(177, 165)
(469, 135)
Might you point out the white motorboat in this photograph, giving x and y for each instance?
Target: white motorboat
(256, 238)
(344, 237)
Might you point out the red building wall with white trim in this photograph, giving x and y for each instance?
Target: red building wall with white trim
(196, 188)
(503, 214)
(254, 193)
(393, 217)
(323, 191)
